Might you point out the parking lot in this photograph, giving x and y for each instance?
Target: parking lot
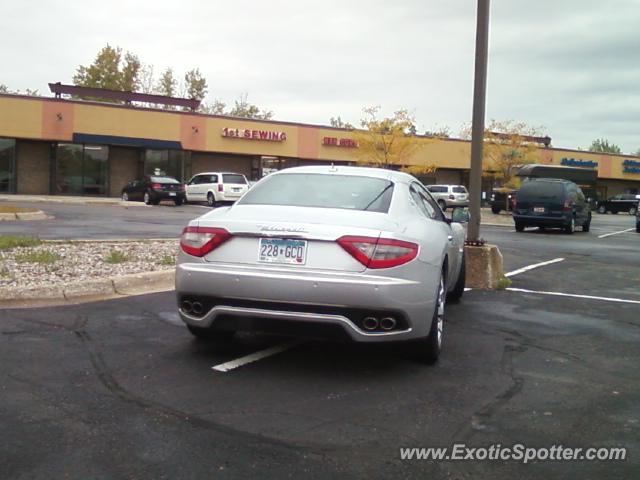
(120, 389)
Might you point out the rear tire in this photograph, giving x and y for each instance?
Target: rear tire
(428, 350)
(210, 334)
(602, 209)
(125, 197)
(519, 227)
(179, 202)
(633, 210)
(586, 226)
(458, 290)
(211, 200)
(496, 210)
(571, 227)
(147, 198)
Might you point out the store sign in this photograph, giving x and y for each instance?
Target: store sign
(247, 134)
(574, 162)
(631, 166)
(339, 142)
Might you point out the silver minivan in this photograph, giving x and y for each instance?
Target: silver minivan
(450, 195)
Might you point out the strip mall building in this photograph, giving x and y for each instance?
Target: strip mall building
(72, 147)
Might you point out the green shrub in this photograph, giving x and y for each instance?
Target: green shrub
(45, 257)
(7, 242)
(116, 256)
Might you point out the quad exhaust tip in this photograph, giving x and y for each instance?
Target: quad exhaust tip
(186, 306)
(370, 323)
(388, 323)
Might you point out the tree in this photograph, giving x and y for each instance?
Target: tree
(507, 146)
(110, 71)
(195, 84)
(439, 132)
(3, 88)
(213, 108)
(338, 123)
(242, 108)
(602, 145)
(384, 142)
(167, 84)
(147, 79)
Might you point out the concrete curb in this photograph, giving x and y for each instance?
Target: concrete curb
(89, 291)
(37, 215)
(496, 225)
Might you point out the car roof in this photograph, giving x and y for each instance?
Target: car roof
(445, 185)
(391, 175)
(217, 173)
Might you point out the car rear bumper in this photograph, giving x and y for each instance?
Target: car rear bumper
(309, 303)
(158, 195)
(457, 203)
(542, 221)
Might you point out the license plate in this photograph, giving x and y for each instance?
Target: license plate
(236, 189)
(172, 194)
(538, 209)
(280, 250)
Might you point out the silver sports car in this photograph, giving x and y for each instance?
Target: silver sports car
(334, 252)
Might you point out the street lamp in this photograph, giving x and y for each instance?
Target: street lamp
(477, 126)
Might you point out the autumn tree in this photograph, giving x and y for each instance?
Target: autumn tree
(242, 108)
(385, 142)
(110, 70)
(507, 146)
(602, 145)
(338, 123)
(195, 85)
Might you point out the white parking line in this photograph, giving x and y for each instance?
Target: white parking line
(588, 297)
(531, 267)
(255, 356)
(615, 233)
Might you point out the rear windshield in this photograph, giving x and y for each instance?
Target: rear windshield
(459, 190)
(319, 190)
(233, 178)
(437, 189)
(541, 190)
(163, 180)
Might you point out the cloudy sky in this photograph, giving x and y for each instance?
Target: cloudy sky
(571, 66)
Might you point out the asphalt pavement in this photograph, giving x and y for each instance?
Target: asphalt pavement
(119, 388)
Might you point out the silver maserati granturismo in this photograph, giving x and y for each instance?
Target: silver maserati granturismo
(334, 252)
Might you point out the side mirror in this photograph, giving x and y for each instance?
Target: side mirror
(460, 215)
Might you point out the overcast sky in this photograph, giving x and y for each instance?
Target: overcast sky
(571, 66)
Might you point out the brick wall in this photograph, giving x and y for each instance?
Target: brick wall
(206, 162)
(33, 167)
(123, 167)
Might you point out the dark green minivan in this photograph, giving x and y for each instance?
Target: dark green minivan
(553, 203)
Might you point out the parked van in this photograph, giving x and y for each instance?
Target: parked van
(550, 202)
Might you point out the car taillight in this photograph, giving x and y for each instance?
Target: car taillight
(156, 186)
(379, 252)
(198, 241)
(567, 206)
(220, 187)
(181, 187)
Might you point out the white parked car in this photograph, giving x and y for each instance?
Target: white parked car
(216, 188)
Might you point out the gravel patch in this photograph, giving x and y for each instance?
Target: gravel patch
(82, 261)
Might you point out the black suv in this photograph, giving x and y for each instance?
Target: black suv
(549, 202)
(625, 202)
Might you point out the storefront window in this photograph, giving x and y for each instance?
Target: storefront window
(81, 169)
(7, 162)
(168, 162)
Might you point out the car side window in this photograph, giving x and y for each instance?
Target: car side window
(425, 202)
(213, 179)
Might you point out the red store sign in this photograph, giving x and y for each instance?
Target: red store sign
(247, 134)
(339, 142)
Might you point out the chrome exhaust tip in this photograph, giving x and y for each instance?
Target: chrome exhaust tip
(370, 323)
(186, 306)
(388, 323)
(197, 308)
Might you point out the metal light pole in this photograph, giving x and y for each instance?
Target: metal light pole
(477, 126)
